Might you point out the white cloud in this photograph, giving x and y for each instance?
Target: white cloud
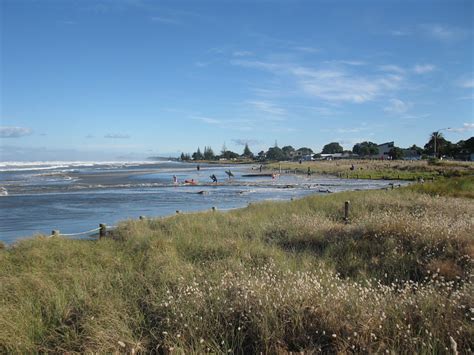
(267, 107)
(307, 49)
(346, 62)
(391, 68)
(397, 106)
(242, 53)
(328, 84)
(344, 87)
(117, 136)
(166, 20)
(465, 127)
(442, 32)
(423, 68)
(466, 83)
(400, 33)
(208, 120)
(14, 132)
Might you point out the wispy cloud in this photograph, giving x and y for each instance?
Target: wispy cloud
(346, 62)
(397, 106)
(166, 20)
(117, 136)
(306, 49)
(391, 68)
(267, 107)
(256, 64)
(465, 128)
(329, 84)
(242, 53)
(467, 83)
(14, 132)
(400, 33)
(208, 120)
(342, 86)
(423, 68)
(442, 32)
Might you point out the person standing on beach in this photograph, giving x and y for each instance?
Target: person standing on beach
(175, 179)
(198, 167)
(309, 171)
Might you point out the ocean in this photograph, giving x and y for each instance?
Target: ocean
(38, 197)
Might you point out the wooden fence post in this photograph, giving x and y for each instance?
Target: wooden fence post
(213, 208)
(142, 218)
(55, 233)
(102, 230)
(346, 211)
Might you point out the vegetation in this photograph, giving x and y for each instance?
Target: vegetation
(380, 169)
(271, 278)
(365, 149)
(332, 148)
(461, 150)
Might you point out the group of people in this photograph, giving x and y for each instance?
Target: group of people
(213, 177)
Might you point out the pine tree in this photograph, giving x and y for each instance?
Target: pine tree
(247, 151)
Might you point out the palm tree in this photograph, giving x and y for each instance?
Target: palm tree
(434, 137)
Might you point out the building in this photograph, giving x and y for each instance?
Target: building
(384, 150)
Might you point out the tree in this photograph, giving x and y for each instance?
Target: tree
(197, 155)
(437, 145)
(396, 153)
(288, 151)
(209, 153)
(185, 157)
(229, 155)
(332, 148)
(365, 148)
(305, 151)
(275, 153)
(247, 152)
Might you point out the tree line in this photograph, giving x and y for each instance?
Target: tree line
(437, 146)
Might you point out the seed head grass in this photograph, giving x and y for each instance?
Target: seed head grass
(275, 277)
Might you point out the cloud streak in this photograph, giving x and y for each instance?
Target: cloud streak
(423, 68)
(117, 136)
(329, 84)
(14, 132)
(465, 128)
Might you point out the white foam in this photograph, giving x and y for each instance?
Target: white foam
(50, 165)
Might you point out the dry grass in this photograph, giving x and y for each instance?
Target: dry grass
(272, 278)
(381, 169)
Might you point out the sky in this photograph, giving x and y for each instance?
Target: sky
(129, 79)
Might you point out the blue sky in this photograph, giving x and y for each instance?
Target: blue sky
(126, 79)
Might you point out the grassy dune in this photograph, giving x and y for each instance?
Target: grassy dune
(380, 169)
(271, 278)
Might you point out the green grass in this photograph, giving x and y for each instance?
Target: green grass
(274, 277)
(460, 187)
(380, 169)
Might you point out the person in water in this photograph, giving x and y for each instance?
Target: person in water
(198, 167)
(309, 171)
(214, 178)
(229, 173)
(175, 179)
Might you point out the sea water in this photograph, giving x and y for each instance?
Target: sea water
(38, 197)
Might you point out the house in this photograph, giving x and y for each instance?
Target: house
(411, 154)
(384, 150)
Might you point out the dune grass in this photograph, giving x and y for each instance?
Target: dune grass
(380, 169)
(274, 277)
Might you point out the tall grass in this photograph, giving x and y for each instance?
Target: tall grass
(380, 169)
(272, 278)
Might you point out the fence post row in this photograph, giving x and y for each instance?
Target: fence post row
(102, 230)
(346, 211)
